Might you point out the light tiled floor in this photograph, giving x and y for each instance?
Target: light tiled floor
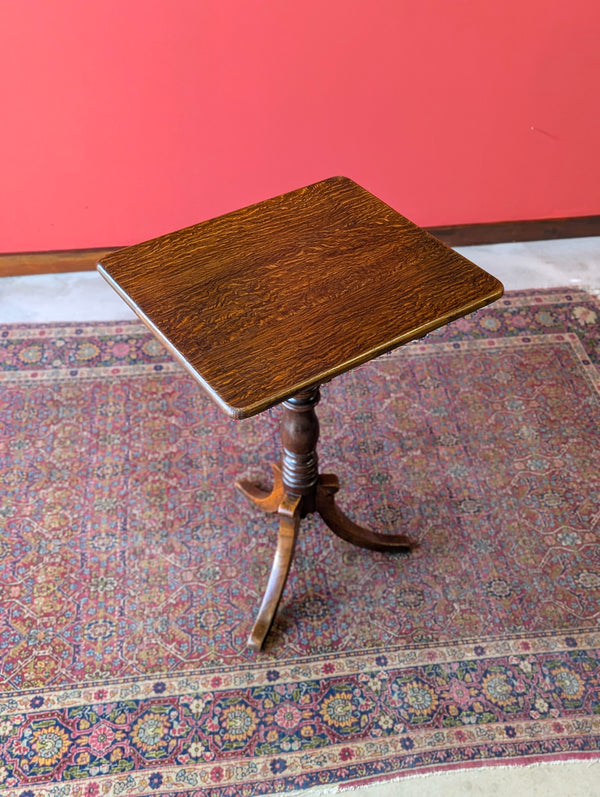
(541, 264)
(85, 296)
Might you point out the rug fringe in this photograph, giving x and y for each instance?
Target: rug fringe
(479, 772)
(591, 290)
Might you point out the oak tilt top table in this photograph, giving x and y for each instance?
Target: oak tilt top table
(264, 304)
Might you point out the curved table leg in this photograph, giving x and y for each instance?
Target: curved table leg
(289, 523)
(268, 502)
(343, 527)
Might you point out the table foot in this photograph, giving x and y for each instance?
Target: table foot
(267, 501)
(343, 527)
(289, 523)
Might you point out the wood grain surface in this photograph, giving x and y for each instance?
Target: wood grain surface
(265, 301)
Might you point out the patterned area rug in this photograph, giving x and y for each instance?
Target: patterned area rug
(130, 570)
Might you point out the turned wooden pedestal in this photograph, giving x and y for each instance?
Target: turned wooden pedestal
(265, 304)
(300, 489)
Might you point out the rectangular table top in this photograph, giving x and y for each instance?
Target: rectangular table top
(289, 292)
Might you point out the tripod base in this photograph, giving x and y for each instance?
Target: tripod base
(291, 508)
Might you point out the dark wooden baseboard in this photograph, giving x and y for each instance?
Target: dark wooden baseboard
(501, 232)
(23, 263)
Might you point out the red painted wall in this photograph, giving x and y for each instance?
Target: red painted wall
(124, 119)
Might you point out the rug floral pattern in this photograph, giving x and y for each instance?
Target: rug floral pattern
(130, 571)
